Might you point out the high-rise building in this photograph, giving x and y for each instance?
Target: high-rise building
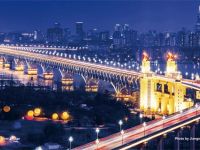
(66, 34)
(104, 36)
(118, 27)
(55, 34)
(197, 25)
(181, 38)
(79, 30)
(191, 39)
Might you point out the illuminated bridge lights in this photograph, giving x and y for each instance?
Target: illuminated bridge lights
(157, 92)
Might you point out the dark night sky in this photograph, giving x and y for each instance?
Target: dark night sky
(165, 15)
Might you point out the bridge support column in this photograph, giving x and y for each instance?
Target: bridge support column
(161, 144)
(1, 62)
(177, 139)
(19, 68)
(32, 73)
(67, 83)
(91, 85)
(192, 135)
(48, 75)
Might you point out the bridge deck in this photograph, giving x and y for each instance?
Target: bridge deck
(139, 134)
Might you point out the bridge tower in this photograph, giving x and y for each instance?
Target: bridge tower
(172, 69)
(162, 94)
(177, 91)
(147, 97)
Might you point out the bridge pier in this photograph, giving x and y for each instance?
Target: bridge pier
(192, 135)
(177, 139)
(48, 75)
(6, 66)
(1, 62)
(32, 71)
(160, 144)
(67, 83)
(19, 68)
(91, 85)
(143, 146)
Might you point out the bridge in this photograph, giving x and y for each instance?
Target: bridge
(116, 76)
(159, 94)
(144, 132)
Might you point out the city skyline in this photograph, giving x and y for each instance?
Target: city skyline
(142, 16)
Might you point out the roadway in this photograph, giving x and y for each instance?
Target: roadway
(67, 62)
(139, 134)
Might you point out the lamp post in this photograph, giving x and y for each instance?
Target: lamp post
(120, 124)
(70, 142)
(122, 134)
(97, 131)
(144, 125)
(97, 139)
(141, 116)
(163, 118)
(97, 142)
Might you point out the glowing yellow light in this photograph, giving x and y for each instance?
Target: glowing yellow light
(37, 111)
(2, 140)
(54, 116)
(65, 115)
(6, 109)
(30, 113)
(145, 56)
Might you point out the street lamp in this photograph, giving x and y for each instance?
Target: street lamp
(163, 118)
(120, 124)
(144, 125)
(97, 131)
(141, 116)
(122, 134)
(97, 142)
(70, 142)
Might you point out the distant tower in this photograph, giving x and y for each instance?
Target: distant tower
(197, 26)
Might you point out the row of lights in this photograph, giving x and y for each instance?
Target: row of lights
(97, 130)
(55, 116)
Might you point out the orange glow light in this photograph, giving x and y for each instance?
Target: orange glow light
(171, 57)
(2, 141)
(54, 116)
(65, 115)
(6, 109)
(37, 111)
(145, 56)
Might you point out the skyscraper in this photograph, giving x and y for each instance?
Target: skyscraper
(197, 26)
(55, 34)
(79, 29)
